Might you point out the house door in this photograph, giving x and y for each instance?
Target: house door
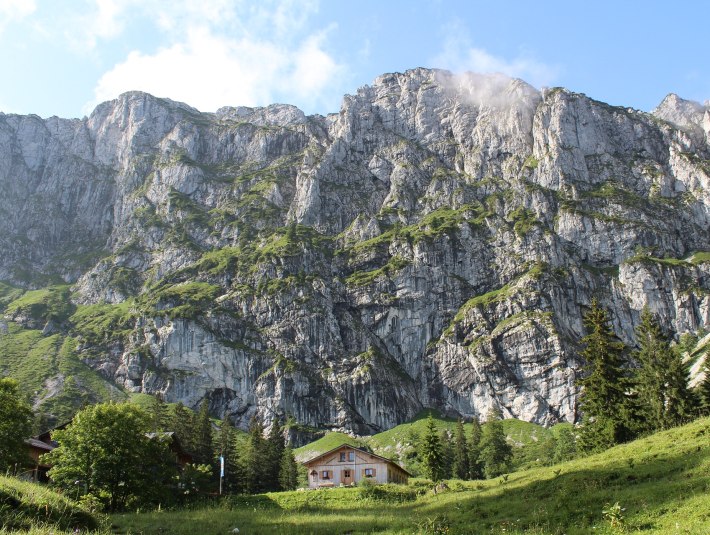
(347, 477)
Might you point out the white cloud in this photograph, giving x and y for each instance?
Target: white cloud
(208, 70)
(14, 10)
(459, 56)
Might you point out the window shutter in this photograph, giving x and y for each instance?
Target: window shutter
(374, 472)
(363, 472)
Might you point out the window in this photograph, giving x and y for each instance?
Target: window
(346, 473)
(342, 457)
(325, 474)
(351, 456)
(369, 472)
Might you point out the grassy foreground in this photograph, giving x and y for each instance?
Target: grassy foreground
(31, 508)
(661, 485)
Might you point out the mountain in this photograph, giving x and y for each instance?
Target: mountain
(433, 244)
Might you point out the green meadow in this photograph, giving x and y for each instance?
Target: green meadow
(656, 485)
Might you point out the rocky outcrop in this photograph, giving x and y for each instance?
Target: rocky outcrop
(434, 244)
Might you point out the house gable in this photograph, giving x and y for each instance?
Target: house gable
(347, 465)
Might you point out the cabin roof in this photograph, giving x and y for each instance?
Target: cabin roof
(361, 450)
(39, 444)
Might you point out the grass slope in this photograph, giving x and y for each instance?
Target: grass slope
(31, 508)
(662, 483)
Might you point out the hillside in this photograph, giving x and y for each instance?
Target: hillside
(435, 244)
(660, 484)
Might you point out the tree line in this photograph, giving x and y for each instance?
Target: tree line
(627, 393)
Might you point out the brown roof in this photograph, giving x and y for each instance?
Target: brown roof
(39, 444)
(345, 444)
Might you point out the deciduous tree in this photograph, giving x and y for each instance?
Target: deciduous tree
(15, 425)
(106, 452)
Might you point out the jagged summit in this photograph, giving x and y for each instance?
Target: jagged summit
(433, 244)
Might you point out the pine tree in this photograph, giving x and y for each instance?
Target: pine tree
(605, 412)
(431, 452)
(159, 416)
(204, 453)
(447, 454)
(253, 458)
(182, 425)
(474, 451)
(288, 473)
(661, 380)
(460, 464)
(703, 388)
(496, 453)
(229, 450)
(275, 446)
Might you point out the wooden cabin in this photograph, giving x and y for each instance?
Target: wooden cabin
(39, 468)
(348, 465)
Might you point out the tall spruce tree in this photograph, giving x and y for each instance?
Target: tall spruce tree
(604, 382)
(460, 464)
(661, 379)
(496, 453)
(253, 459)
(288, 472)
(431, 452)
(181, 424)
(275, 446)
(703, 389)
(475, 468)
(447, 454)
(228, 448)
(204, 453)
(159, 415)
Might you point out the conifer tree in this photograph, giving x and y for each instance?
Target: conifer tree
(605, 411)
(253, 458)
(474, 451)
(431, 452)
(703, 388)
(229, 450)
(158, 412)
(182, 425)
(204, 453)
(288, 473)
(662, 379)
(460, 465)
(275, 446)
(496, 453)
(447, 454)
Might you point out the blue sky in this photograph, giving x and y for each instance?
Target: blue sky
(64, 57)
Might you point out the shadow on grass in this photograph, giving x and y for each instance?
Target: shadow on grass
(647, 489)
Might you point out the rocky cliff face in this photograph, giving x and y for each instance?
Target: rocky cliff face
(434, 244)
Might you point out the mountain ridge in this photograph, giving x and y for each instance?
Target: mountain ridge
(433, 244)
